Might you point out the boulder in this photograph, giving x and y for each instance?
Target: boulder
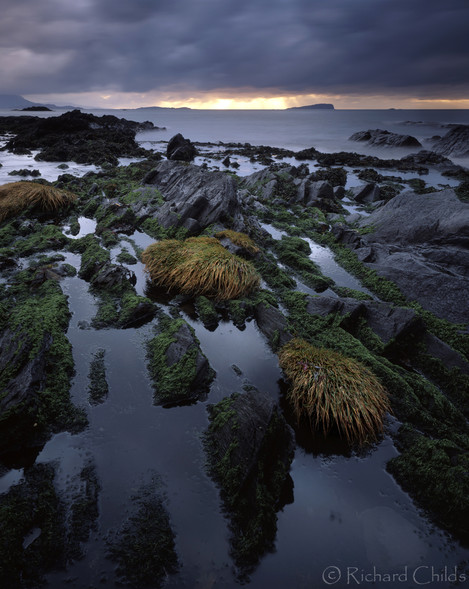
(381, 138)
(190, 192)
(392, 323)
(180, 149)
(366, 193)
(420, 242)
(180, 372)
(272, 323)
(80, 137)
(249, 448)
(262, 184)
(388, 322)
(455, 143)
(319, 193)
(411, 218)
(112, 275)
(29, 373)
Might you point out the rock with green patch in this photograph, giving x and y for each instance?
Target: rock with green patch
(249, 448)
(207, 312)
(124, 257)
(98, 388)
(32, 529)
(144, 547)
(179, 370)
(36, 367)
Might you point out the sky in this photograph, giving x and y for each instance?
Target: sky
(237, 53)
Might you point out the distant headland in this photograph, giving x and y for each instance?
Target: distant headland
(321, 106)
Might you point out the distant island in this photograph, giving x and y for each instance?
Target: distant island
(160, 108)
(320, 106)
(35, 108)
(17, 102)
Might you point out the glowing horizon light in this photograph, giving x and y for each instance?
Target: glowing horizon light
(243, 99)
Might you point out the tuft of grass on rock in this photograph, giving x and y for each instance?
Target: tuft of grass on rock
(15, 197)
(332, 390)
(200, 266)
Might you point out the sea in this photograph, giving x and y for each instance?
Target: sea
(326, 130)
(346, 521)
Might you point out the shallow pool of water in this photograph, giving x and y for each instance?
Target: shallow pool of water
(324, 258)
(346, 511)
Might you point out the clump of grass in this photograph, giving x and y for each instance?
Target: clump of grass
(200, 266)
(239, 239)
(18, 196)
(332, 390)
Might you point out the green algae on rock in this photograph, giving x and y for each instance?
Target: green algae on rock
(249, 448)
(179, 371)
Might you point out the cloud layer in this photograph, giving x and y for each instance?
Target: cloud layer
(292, 47)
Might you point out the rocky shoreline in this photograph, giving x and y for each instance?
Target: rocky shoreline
(406, 243)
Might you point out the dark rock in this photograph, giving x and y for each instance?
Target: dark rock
(318, 192)
(438, 349)
(116, 217)
(272, 324)
(323, 305)
(339, 192)
(366, 193)
(455, 143)
(193, 193)
(420, 242)
(381, 138)
(392, 323)
(250, 447)
(80, 137)
(29, 374)
(192, 226)
(181, 373)
(180, 149)
(410, 218)
(139, 314)
(262, 183)
(347, 236)
(110, 276)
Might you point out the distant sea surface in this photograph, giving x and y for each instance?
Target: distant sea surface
(326, 130)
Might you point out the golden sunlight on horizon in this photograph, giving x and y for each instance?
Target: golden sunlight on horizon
(224, 101)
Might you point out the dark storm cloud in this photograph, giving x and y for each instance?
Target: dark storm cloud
(288, 46)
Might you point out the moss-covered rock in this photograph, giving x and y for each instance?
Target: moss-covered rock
(98, 388)
(249, 448)
(36, 366)
(436, 472)
(144, 547)
(32, 530)
(179, 370)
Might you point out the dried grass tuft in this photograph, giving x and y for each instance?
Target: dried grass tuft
(332, 390)
(239, 239)
(200, 266)
(15, 197)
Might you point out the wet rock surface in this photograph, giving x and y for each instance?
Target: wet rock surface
(381, 138)
(421, 243)
(249, 449)
(192, 193)
(180, 372)
(455, 143)
(180, 149)
(76, 136)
